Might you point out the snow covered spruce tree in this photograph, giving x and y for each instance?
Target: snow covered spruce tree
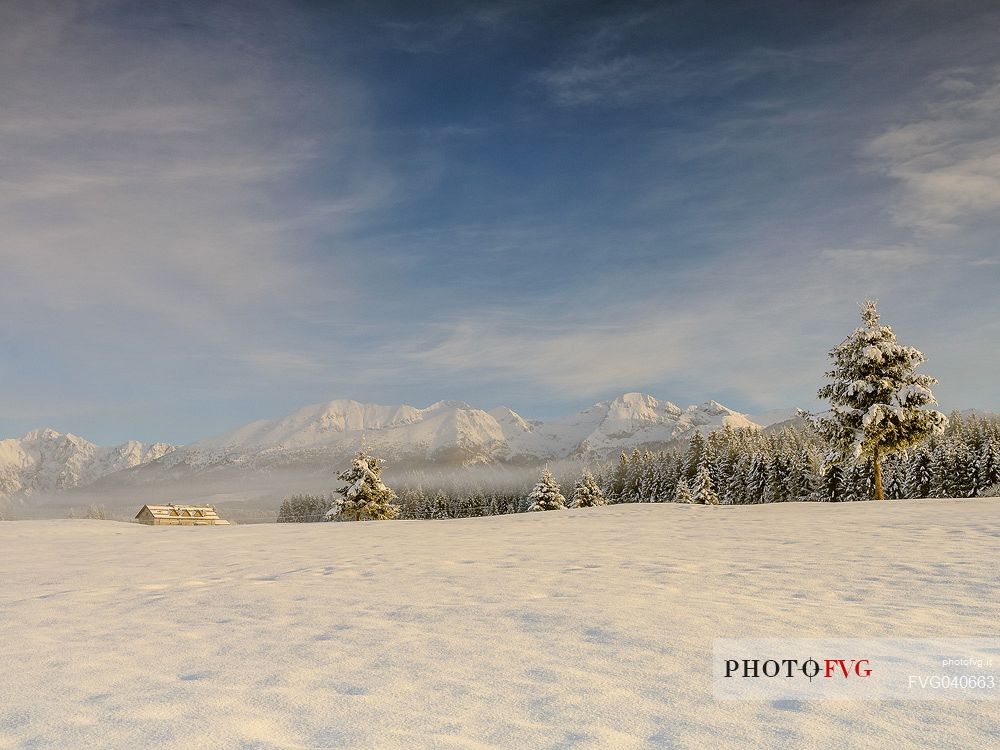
(546, 495)
(618, 480)
(682, 493)
(704, 493)
(364, 495)
(586, 493)
(878, 402)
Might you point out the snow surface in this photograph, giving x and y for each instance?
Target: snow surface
(585, 628)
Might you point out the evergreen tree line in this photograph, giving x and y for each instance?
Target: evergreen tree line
(418, 503)
(729, 466)
(414, 504)
(305, 508)
(879, 438)
(748, 467)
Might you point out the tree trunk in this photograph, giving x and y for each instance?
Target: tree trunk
(878, 477)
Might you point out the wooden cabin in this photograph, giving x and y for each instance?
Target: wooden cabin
(179, 515)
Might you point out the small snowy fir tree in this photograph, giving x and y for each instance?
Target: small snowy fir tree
(894, 486)
(694, 455)
(546, 495)
(833, 485)
(586, 493)
(778, 477)
(918, 474)
(756, 479)
(878, 402)
(440, 506)
(704, 492)
(989, 467)
(619, 478)
(942, 469)
(97, 512)
(365, 495)
(633, 480)
(682, 494)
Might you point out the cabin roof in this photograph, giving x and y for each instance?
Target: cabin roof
(172, 510)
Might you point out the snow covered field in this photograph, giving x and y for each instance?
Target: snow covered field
(578, 629)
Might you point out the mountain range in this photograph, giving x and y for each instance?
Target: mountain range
(315, 438)
(45, 461)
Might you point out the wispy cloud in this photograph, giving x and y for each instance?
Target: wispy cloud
(752, 324)
(896, 256)
(580, 356)
(615, 63)
(705, 332)
(627, 79)
(946, 156)
(150, 184)
(260, 204)
(437, 33)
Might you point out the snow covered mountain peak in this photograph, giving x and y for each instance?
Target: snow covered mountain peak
(454, 431)
(510, 418)
(45, 460)
(642, 407)
(439, 405)
(317, 437)
(640, 419)
(713, 407)
(47, 434)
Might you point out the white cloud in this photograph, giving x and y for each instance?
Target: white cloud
(148, 189)
(754, 324)
(896, 256)
(581, 357)
(946, 158)
(153, 224)
(606, 65)
(745, 324)
(442, 32)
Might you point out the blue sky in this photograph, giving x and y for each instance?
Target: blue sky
(216, 212)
